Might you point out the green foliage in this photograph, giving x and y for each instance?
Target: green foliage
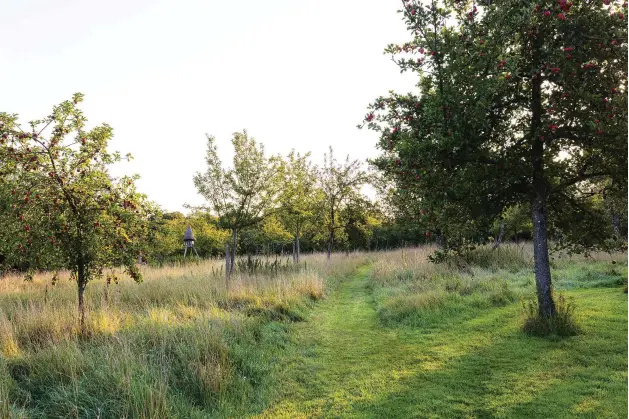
(239, 195)
(516, 101)
(209, 238)
(270, 231)
(517, 223)
(62, 209)
(299, 197)
(360, 218)
(339, 183)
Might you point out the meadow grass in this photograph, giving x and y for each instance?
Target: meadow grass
(176, 345)
(409, 339)
(385, 334)
(410, 290)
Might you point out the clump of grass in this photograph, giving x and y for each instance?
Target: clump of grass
(563, 323)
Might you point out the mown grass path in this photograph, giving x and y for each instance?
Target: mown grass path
(343, 363)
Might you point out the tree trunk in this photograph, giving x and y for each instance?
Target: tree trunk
(542, 262)
(297, 249)
(233, 255)
(331, 238)
(81, 284)
(616, 225)
(329, 247)
(501, 234)
(227, 266)
(546, 305)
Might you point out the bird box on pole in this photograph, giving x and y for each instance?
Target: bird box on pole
(188, 241)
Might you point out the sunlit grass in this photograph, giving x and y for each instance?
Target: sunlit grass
(411, 290)
(413, 339)
(179, 344)
(386, 334)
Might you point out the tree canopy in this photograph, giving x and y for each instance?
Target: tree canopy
(518, 103)
(61, 207)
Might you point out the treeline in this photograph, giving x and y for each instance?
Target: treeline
(364, 226)
(269, 205)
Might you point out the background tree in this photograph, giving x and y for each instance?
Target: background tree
(65, 210)
(339, 182)
(242, 195)
(298, 197)
(517, 223)
(520, 103)
(209, 238)
(360, 217)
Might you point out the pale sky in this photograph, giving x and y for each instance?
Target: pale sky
(295, 74)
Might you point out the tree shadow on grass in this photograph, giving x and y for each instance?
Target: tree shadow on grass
(513, 375)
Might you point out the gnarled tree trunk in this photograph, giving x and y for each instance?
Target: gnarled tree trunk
(542, 261)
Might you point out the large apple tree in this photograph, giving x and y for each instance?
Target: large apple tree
(62, 208)
(518, 102)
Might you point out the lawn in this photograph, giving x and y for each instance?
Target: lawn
(404, 338)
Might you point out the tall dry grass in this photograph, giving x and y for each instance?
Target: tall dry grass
(179, 344)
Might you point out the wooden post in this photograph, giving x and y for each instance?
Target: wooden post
(227, 266)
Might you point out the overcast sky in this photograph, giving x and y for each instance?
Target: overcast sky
(295, 74)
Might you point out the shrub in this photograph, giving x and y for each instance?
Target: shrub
(563, 323)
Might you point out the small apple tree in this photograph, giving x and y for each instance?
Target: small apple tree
(520, 102)
(64, 209)
(339, 183)
(298, 196)
(241, 196)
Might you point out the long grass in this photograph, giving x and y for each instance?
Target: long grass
(411, 290)
(179, 344)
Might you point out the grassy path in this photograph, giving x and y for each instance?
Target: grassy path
(343, 363)
(342, 349)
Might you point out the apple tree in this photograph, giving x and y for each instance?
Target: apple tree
(339, 182)
(299, 196)
(63, 208)
(519, 102)
(242, 195)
